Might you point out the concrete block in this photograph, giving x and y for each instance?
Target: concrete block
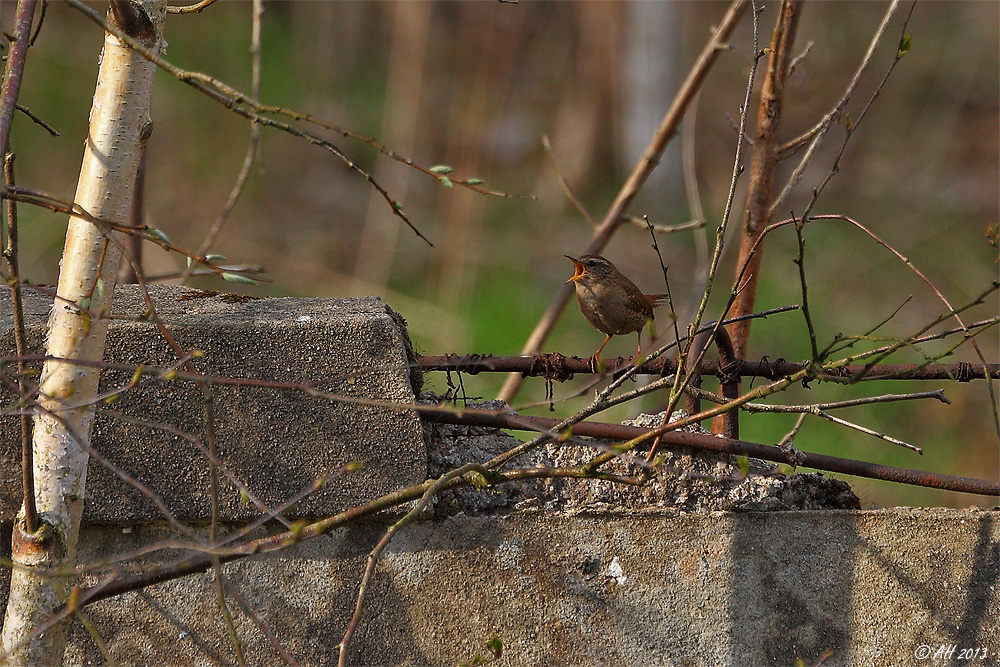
(656, 588)
(276, 442)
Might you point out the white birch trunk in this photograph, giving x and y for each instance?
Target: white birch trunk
(119, 121)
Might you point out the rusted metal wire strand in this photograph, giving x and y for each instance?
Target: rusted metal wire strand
(560, 368)
(722, 445)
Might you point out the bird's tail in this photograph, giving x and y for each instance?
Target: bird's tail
(658, 299)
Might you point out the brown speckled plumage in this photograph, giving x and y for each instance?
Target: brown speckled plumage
(611, 302)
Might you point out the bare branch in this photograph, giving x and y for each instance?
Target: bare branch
(763, 161)
(252, 147)
(23, 17)
(244, 106)
(564, 184)
(190, 9)
(640, 172)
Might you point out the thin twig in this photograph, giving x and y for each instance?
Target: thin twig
(251, 155)
(38, 121)
(189, 9)
(799, 58)
(815, 134)
(643, 222)
(691, 190)
(788, 439)
(666, 283)
(10, 254)
(763, 164)
(245, 607)
(241, 104)
(14, 72)
(858, 427)
(373, 557)
(564, 184)
(38, 26)
(680, 381)
(147, 232)
(832, 349)
(937, 394)
(800, 262)
(227, 616)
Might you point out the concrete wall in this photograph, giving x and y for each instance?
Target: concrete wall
(640, 587)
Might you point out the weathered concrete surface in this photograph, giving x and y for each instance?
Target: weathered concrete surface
(741, 590)
(276, 441)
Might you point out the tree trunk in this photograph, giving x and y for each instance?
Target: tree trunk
(119, 124)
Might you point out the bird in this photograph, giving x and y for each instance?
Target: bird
(611, 302)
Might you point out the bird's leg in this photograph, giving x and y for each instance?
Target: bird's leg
(652, 339)
(638, 348)
(594, 358)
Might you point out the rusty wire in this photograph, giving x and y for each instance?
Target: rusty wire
(560, 368)
(721, 445)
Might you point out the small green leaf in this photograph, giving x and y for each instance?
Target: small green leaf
(904, 46)
(100, 287)
(189, 260)
(441, 169)
(352, 466)
(215, 257)
(238, 278)
(113, 398)
(495, 646)
(85, 303)
(744, 463)
(475, 181)
(446, 182)
(159, 234)
(848, 122)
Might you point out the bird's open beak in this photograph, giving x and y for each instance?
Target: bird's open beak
(580, 268)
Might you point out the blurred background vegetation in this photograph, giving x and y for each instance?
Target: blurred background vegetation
(476, 85)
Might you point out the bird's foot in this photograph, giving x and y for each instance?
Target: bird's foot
(596, 364)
